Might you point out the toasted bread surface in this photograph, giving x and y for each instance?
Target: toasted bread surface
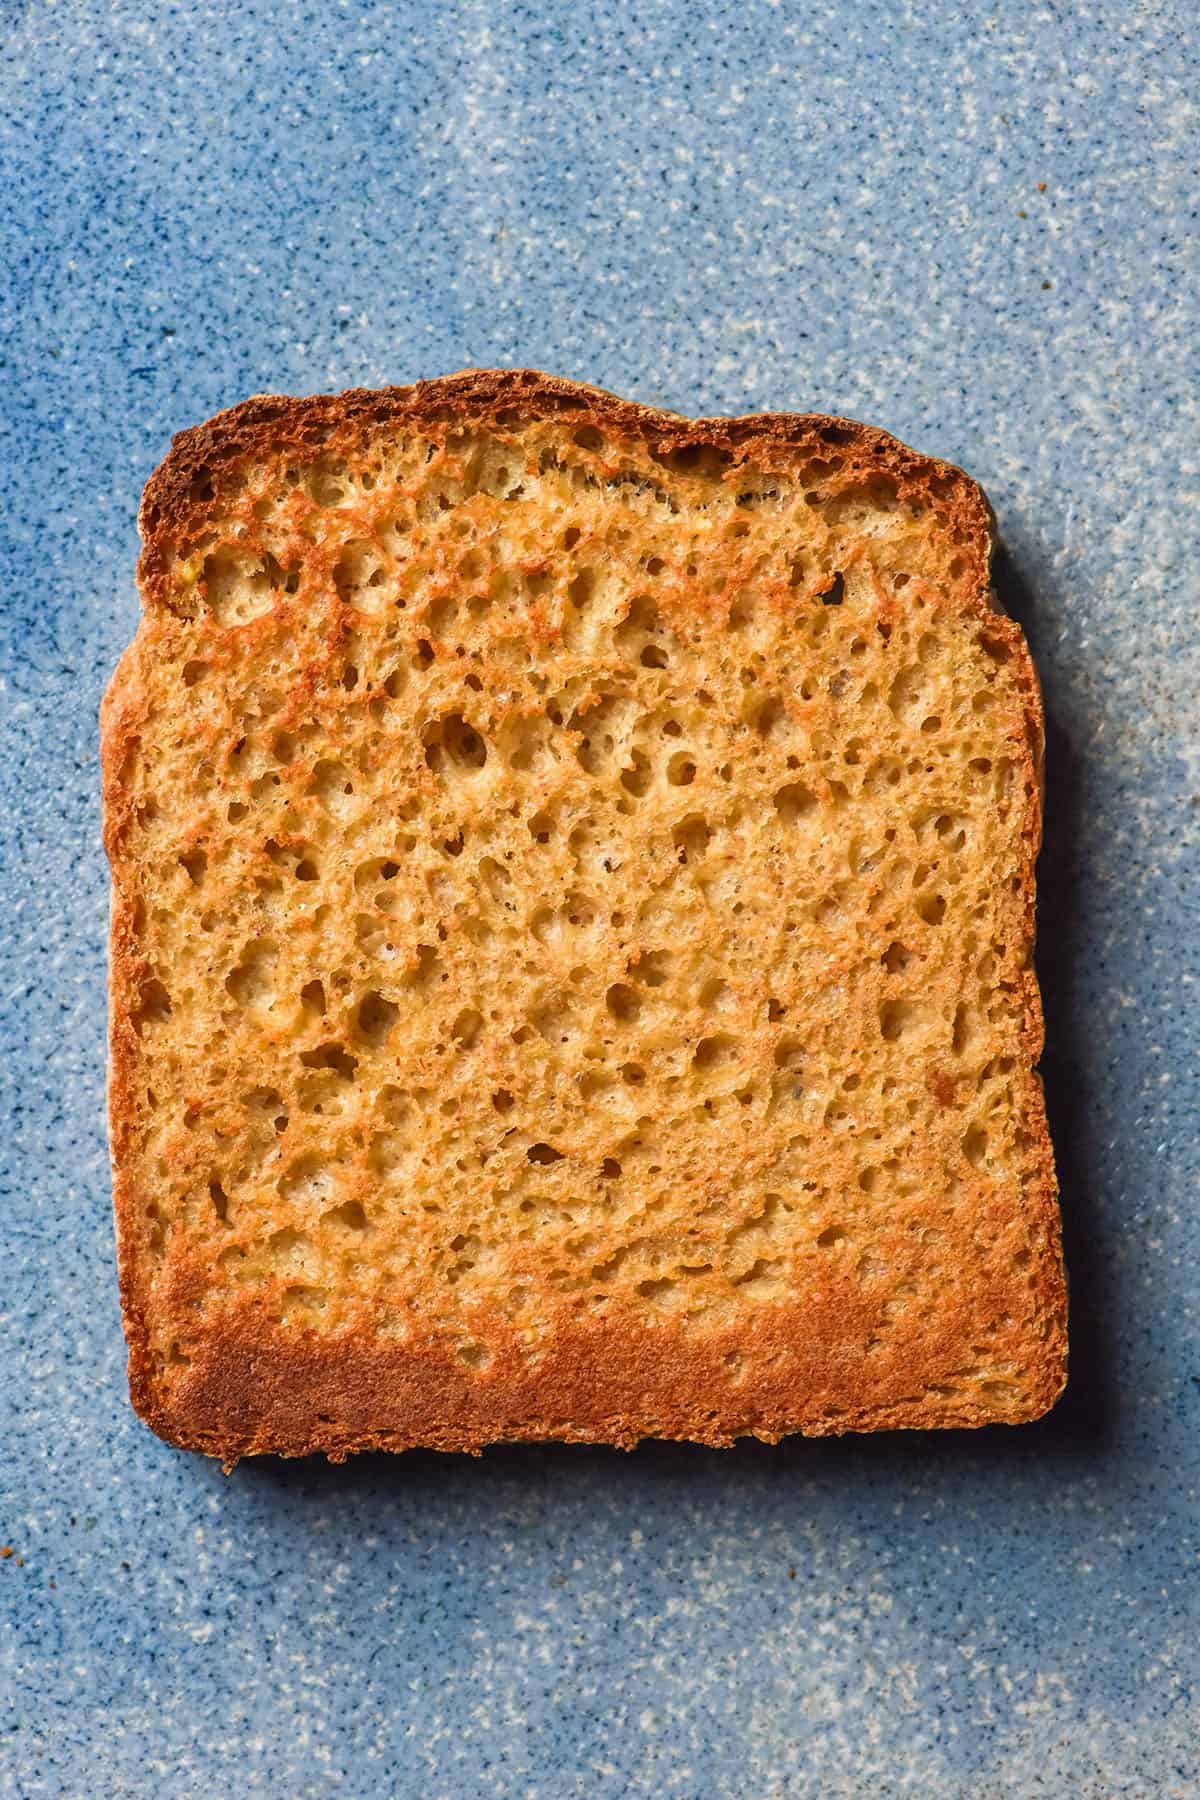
(572, 928)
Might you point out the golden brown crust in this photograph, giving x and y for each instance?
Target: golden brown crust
(175, 496)
(251, 1391)
(247, 1385)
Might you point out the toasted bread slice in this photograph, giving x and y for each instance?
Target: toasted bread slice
(573, 911)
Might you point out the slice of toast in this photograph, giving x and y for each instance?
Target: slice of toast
(573, 912)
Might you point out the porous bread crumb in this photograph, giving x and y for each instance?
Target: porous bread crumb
(572, 933)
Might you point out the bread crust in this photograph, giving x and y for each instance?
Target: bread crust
(251, 1386)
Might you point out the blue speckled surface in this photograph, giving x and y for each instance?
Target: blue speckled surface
(718, 207)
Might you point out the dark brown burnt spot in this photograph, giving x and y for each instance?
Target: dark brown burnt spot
(942, 1086)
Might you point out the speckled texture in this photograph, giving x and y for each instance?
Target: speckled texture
(718, 209)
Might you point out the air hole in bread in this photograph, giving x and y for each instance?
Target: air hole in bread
(898, 1017)
(466, 1028)
(376, 1017)
(975, 1145)
(334, 1057)
(794, 801)
(453, 746)
(543, 1154)
(623, 1002)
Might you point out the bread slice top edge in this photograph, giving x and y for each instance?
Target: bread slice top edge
(180, 489)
